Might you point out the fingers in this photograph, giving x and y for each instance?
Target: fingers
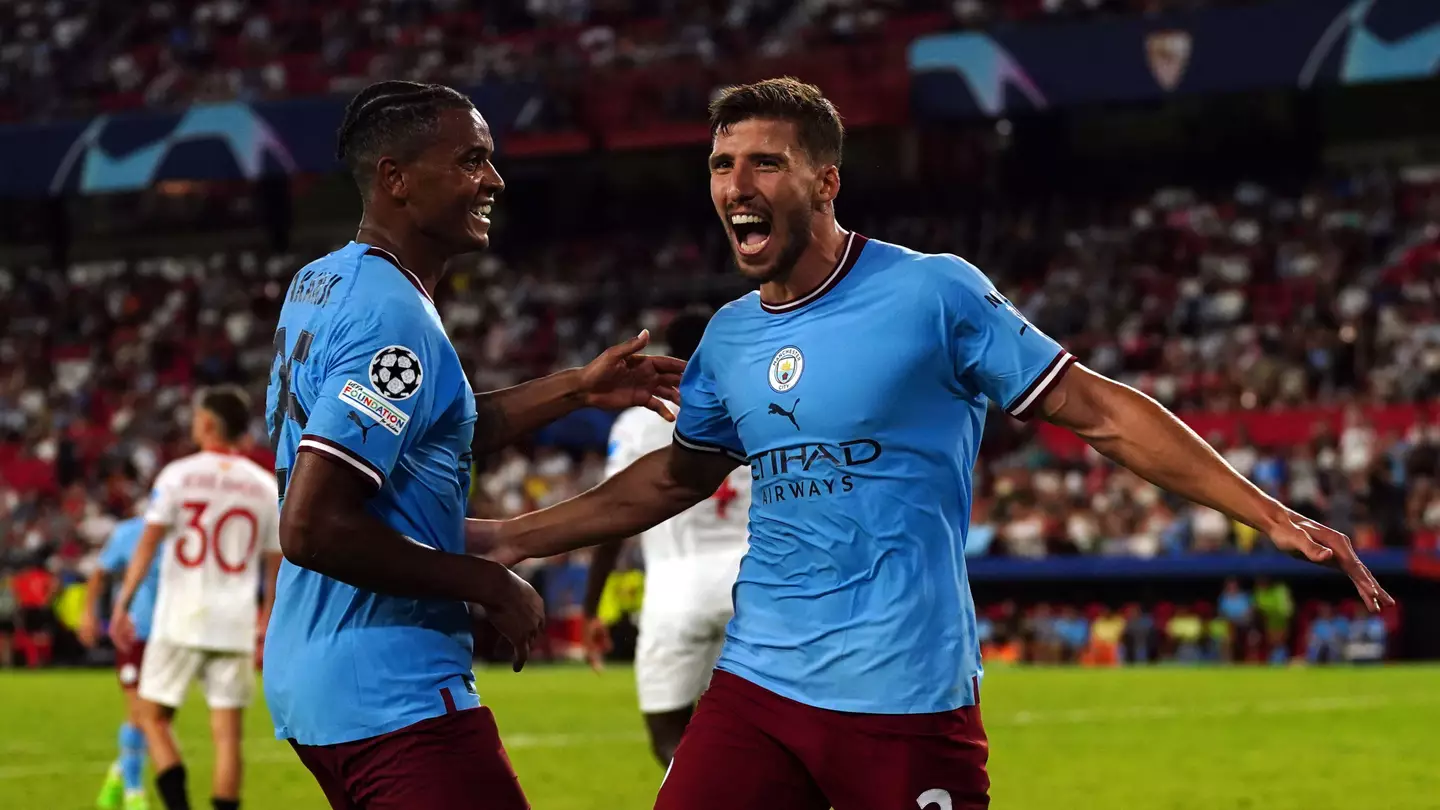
(668, 365)
(669, 393)
(658, 406)
(623, 351)
(1313, 551)
(1344, 557)
(522, 653)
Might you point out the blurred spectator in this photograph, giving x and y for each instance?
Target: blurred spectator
(9, 620)
(1327, 636)
(1184, 633)
(35, 591)
(1139, 631)
(1105, 638)
(1273, 602)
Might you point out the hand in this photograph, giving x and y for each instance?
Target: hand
(122, 630)
(89, 630)
(515, 609)
(623, 378)
(597, 643)
(1305, 539)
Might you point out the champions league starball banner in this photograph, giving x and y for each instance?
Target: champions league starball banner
(227, 141)
(1286, 43)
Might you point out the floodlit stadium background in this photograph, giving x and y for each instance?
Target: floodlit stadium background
(1234, 206)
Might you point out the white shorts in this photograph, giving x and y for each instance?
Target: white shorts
(227, 678)
(682, 628)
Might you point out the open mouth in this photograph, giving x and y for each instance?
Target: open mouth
(752, 232)
(482, 212)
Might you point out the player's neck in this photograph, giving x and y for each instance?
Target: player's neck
(219, 447)
(827, 246)
(424, 260)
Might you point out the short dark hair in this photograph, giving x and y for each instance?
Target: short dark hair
(394, 118)
(231, 405)
(822, 135)
(683, 333)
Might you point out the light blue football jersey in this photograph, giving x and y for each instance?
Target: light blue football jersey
(365, 375)
(115, 559)
(859, 409)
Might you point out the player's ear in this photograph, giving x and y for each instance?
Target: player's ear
(829, 183)
(390, 178)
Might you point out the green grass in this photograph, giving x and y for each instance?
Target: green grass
(1159, 739)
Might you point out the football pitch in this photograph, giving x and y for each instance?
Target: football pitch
(1167, 738)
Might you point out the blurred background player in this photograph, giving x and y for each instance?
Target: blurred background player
(124, 785)
(216, 512)
(375, 427)
(855, 385)
(691, 562)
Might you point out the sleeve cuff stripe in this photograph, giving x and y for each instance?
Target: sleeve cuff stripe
(333, 450)
(1025, 403)
(706, 447)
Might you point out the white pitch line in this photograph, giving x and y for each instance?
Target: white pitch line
(273, 751)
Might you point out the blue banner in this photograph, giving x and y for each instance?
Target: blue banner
(1389, 562)
(228, 141)
(1287, 43)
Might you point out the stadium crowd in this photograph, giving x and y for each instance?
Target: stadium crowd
(66, 58)
(1248, 302)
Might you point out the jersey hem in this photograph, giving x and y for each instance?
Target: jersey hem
(846, 706)
(1024, 405)
(319, 445)
(707, 447)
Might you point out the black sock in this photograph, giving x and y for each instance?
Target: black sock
(225, 804)
(171, 787)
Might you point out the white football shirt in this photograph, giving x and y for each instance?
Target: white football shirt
(719, 524)
(222, 514)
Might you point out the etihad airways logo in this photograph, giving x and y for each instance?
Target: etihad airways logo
(810, 469)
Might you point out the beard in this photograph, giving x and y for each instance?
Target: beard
(797, 236)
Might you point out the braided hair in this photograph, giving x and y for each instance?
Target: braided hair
(393, 118)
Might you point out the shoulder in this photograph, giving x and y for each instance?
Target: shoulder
(177, 468)
(262, 477)
(934, 270)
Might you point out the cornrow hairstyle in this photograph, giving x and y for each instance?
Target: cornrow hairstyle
(821, 132)
(393, 118)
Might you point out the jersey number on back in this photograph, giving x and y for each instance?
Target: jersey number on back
(286, 403)
(192, 554)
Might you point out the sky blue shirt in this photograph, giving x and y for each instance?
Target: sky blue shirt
(365, 376)
(859, 409)
(115, 559)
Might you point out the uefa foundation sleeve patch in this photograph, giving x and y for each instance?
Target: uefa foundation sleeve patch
(373, 405)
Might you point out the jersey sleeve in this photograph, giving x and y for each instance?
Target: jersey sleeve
(703, 423)
(164, 499)
(114, 556)
(996, 351)
(377, 391)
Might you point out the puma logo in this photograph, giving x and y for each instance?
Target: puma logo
(790, 414)
(364, 428)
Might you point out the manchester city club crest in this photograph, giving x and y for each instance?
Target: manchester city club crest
(786, 368)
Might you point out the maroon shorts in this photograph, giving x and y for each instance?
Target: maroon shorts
(454, 762)
(749, 749)
(127, 665)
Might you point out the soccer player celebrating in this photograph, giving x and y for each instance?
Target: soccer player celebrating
(368, 656)
(124, 785)
(854, 384)
(691, 562)
(217, 513)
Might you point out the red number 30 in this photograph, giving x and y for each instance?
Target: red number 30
(191, 554)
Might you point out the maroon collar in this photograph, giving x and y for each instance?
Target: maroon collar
(854, 243)
(395, 260)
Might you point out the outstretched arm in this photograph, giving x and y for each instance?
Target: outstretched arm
(620, 377)
(657, 487)
(1135, 431)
